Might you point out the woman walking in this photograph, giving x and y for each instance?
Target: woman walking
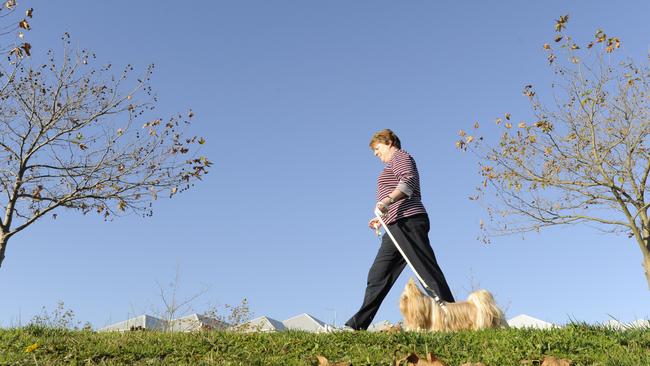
(399, 199)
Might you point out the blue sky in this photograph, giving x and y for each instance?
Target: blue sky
(287, 95)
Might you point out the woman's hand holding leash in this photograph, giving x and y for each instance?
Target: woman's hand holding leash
(375, 225)
(382, 206)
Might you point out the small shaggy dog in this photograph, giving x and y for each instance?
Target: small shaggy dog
(421, 312)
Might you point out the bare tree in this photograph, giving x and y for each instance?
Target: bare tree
(71, 139)
(173, 306)
(582, 159)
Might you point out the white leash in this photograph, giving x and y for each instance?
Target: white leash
(378, 214)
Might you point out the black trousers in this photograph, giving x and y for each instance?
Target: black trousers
(411, 234)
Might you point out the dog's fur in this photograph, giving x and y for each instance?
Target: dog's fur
(421, 312)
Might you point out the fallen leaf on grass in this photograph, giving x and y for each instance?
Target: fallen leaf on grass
(554, 361)
(414, 360)
(322, 361)
(473, 364)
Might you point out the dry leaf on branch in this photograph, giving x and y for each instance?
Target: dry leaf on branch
(23, 24)
(551, 58)
(561, 23)
(27, 47)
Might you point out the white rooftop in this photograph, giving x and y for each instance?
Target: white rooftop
(637, 324)
(194, 322)
(527, 321)
(304, 322)
(262, 324)
(308, 323)
(187, 323)
(141, 322)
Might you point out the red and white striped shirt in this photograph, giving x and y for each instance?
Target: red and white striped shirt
(401, 173)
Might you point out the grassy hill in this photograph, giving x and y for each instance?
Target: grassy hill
(583, 345)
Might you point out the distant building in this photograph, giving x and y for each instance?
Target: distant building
(187, 323)
(614, 324)
(637, 324)
(304, 322)
(142, 322)
(261, 324)
(194, 322)
(640, 324)
(526, 321)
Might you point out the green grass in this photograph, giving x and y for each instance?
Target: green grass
(584, 345)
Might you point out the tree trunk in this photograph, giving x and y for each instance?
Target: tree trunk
(646, 260)
(3, 247)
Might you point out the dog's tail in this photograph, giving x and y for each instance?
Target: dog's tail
(488, 314)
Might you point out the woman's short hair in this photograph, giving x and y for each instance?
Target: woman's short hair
(385, 136)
